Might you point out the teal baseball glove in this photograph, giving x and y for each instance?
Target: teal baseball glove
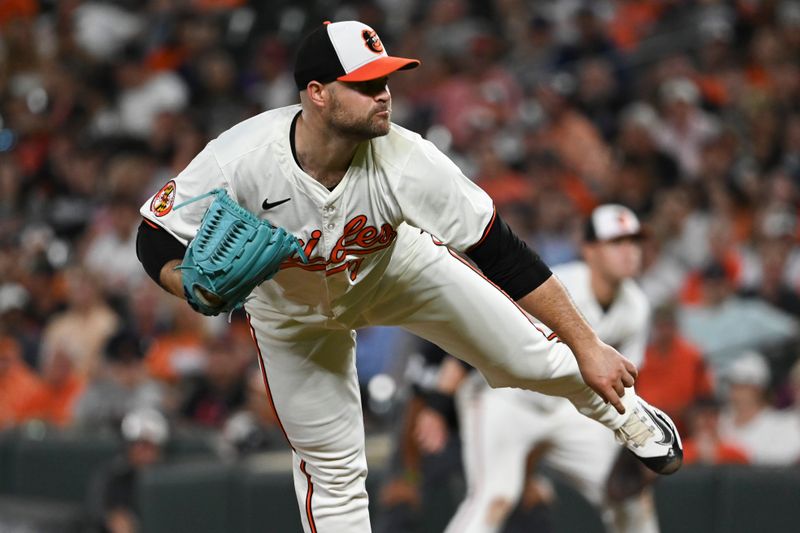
(232, 253)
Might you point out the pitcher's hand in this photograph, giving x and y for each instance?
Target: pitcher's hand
(607, 373)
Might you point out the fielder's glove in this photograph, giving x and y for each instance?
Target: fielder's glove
(232, 253)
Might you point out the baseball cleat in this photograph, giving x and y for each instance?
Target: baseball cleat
(652, 437)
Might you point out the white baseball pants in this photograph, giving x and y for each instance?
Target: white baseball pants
(309, 366)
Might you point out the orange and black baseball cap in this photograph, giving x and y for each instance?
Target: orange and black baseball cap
(345, 51)
(610, 222)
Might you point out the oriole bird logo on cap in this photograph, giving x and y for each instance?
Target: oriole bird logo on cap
(372, 41)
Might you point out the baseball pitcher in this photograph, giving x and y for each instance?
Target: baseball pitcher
(324, 217)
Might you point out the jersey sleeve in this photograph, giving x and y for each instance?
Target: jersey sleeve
(201, 175)
(435, 196)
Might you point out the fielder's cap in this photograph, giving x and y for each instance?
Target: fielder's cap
(749, 369)
(612, 221)
(345, 51)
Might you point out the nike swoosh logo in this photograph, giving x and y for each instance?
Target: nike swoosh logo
(665, 428)
(266, 205)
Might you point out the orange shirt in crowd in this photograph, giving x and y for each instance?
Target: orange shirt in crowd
(633, 21)
(54, 403)
(723, 454)
(12, 9)
(173, 355)
(674, 378)
(18, 384)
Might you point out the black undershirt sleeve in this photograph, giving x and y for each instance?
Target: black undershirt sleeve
(155, 247)
(506, 260)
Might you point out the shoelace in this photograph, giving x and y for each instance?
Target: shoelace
(636, 431)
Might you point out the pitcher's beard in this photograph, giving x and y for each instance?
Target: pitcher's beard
(359, 129)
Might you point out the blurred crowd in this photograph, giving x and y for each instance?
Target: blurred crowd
(688, 112)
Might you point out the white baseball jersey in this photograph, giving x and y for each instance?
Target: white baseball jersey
(624, 325)
(369, 265)
(348, 233)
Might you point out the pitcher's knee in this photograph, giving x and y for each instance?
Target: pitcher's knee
(500, 377)
(344, 474)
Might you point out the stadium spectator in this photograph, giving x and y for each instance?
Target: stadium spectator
(722, 251)
(599, 95)
(480, 95)
(679, 245)
(674, 374)
(179, 351)
(632, 22)
(570, 135)
(16, 321)
(18, 383)
(638, 123)
(768, 436)
(219, 389)
(122, 386)
(724, 325)
(590, 41)
(506, 186)
(82, 329)
(771, 264)
(272, 85)
(534, 55)
(112, 499)
(111, 253)
(61, 386)
(685, 126)
(217, 92)
(703, 443)
(144, 94)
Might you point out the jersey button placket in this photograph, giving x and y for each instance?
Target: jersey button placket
(329, 228)
(327, 214)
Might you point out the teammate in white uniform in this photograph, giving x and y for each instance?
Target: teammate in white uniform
(335, 172)
(582, 450)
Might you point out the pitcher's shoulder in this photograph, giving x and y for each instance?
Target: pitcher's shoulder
(397, 142)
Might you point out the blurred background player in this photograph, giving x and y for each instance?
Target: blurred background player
(422, 476)
(495, 460)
